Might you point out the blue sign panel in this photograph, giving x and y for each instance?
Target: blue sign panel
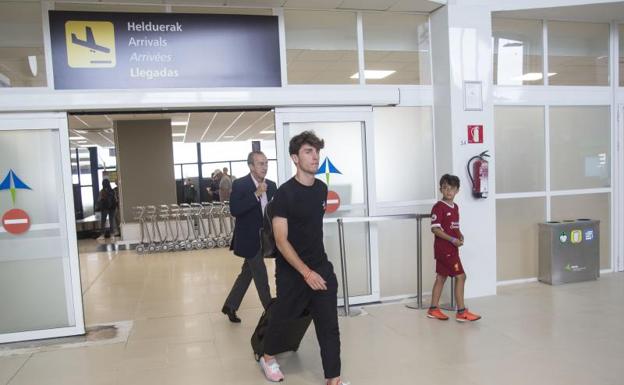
(99, 50)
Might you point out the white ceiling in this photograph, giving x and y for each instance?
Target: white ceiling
(222, 126)
(601, 13)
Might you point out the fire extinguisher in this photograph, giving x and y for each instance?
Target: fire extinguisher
(478, 172)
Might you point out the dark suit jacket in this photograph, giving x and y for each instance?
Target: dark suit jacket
(246, 208)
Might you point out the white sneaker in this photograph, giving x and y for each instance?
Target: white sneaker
(271, 370)
(101, 238)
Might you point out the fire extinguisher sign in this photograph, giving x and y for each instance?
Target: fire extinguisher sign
(475, 133)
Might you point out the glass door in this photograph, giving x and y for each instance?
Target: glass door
(39, 272)
(345, 168)
(618, 183)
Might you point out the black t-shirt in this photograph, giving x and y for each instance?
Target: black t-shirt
(303, 207)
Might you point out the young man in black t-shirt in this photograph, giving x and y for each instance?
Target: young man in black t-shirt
(304, 276)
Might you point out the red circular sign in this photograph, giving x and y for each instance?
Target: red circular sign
(333, 202)
(16, 221)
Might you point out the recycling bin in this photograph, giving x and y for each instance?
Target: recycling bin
(569, 251)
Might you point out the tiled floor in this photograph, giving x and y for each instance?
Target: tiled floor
(530, 334)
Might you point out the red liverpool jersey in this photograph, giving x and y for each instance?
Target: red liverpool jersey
(446, 217)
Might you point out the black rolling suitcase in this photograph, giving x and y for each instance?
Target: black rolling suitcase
(291, 334)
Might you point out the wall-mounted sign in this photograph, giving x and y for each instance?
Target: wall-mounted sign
(473, 96)
(327, 168)
(333, 202)
(99, 50)
(475, 133)
(14, 221)
(13, 183)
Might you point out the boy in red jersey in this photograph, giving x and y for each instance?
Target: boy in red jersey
(448, 240)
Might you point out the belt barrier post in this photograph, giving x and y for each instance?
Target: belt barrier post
(343, 266)
(419, 289)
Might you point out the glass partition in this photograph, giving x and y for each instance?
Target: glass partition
(520, 149)
(321, 47)
(580, 146)
(517, 237)
(396, 48)
(518, 57)
(578, 53)
(404, 143)
(22, 62)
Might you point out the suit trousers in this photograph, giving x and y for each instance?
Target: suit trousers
(253, 268)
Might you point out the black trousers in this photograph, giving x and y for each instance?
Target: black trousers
(294, 296)
(111, 221)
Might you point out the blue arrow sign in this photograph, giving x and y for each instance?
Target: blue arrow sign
(12, 182)
(327, 168)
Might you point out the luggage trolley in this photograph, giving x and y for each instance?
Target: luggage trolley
(174, 217)
(206, 226)
(228, 221)
(198, 241)
(221, 236)
(164, 215)
(156, 238)
(139, 215)
(190, 238)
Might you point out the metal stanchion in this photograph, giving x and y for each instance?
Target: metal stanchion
(419, 290)
(343, 265)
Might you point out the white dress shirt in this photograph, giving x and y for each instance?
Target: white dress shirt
(263, 198)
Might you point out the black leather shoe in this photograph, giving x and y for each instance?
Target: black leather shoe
(231, 314)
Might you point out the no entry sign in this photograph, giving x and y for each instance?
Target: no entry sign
(16, 221)
(333, 202)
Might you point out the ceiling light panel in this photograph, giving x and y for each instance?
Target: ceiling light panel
(76, 123)
(244, 123)
(264, 124)
(198, 122)
(221, 123)
(95, 121)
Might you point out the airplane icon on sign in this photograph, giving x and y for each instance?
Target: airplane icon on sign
(89, 42)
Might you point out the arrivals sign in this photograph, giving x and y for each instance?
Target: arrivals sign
(99, 50)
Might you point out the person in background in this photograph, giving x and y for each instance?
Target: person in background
(250, 195)
(117, 211)
(225, 186)
(107, 204)
(190, 193)
(214, 185)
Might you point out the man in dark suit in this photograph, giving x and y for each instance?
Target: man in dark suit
(249, 197)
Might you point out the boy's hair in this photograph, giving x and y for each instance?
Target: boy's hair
(306, 137)
(451, 180)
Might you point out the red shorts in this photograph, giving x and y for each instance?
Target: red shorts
(449, 265)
